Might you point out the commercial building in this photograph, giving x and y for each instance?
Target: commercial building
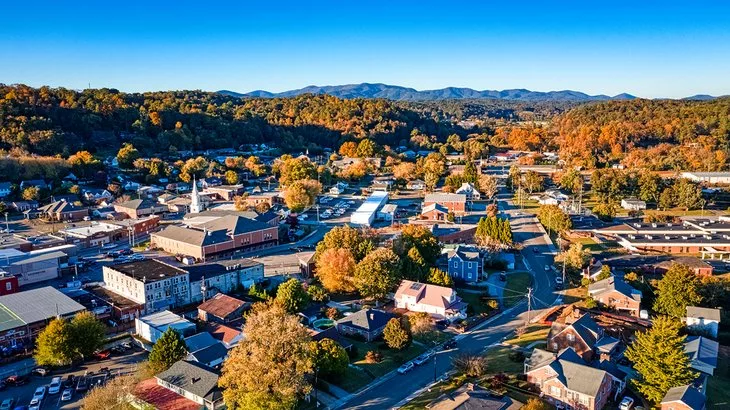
(151, 327)
(25, 314)
(152, 283)
(708, 177)
(365, 214)
(223, 276)
(139, 208)
(455, 203)
(220, 238)
(96, 234)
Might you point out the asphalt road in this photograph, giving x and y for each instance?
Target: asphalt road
(393, 391)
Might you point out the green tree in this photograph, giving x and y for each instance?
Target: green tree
(688, 194)
(649, 186)
(605, 211)
(329, 358)
(422, 239)
(87, 334)
(471, 173)
(553, 218)
(292, 296)
(605, 273)
(317, 293)
(53, 345)
(127, 155)
(666, 199)
(575, 258)
(659, 359)
(532, 181)
(366, 148)
(678, 288)
(572, 181)
(167, 350)
(439, 277)
(378, 273)
(414, 266)
(396, 335)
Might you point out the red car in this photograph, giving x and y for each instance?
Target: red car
(102, 354)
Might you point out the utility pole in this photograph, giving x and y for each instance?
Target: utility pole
(7, 228)
(529, 306)
(434, 367)
(563, 272)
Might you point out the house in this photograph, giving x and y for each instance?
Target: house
(365, 213)
(613, 292)
(311, 313)
(219, 238)
(696, 265)
(339, 188)
(465, 263)
(387, 212)
(62, 211)
(226, 192)
(199, 341)
(211, 356)
(25, 314)
(229, 336)
(702, 353)
(581, 335)
(455, 203)
(222, 308)
(468, 189)
(565, 378)
(38, 183)
(633, 204)
(439, 301)
(139, 208)
(703, 320)
(416, 185)
(150, 282)
(683, 398)
(367, 323)
(151, 327)
(186, 385)
(22, 206)
(5, 189)
(435, 212)
(471, 396)
(97, 195)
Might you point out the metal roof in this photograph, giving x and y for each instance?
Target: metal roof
(33, 306)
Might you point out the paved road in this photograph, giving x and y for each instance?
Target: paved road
(393, 391)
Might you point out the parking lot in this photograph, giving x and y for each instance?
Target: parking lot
(97, 373)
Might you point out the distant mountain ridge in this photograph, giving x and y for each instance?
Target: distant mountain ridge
(394, 92)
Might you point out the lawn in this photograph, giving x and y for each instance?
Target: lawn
(574, 295)
(391, 359)
(718, 386)
(435, 392)
(517, 283)
(472, 299)
(534, 333)
(354, 379)
(498, 361)
(590, 244)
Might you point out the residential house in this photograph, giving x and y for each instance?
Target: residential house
(470, 396)
(581, 335)
(339, 188)
(702, 353)
(186, 385)
(205, 349)
(455, 203)
(5, 189)
(703, 320)
(615, 293)
(311, 313)
(366, 323)
(439, 301)
(468, 189)
(139, 208)
(62, 211)
(465, 263)
(229, 336)
(633, 204)
(222, 308)
(566, 379)
(416, 185)
(151, 327)
(22, 206)
(684, 398)
(97, 195)
(38, 183)
(435, 212)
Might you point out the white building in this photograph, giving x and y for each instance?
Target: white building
(152, 283)
(387, 212)
(195, 205)
(472, 194)
(704, 320)
(222, 276)
(365, 214)
(633, 204)
(439, 301)
(151, 327)
(708, 177)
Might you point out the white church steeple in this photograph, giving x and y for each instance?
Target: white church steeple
(195, 206)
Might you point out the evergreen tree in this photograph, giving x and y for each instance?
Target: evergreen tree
(439, 277)
(659, 358)
(168, 349)
(678, 289)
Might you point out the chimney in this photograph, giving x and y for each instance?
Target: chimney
(372, 316)
(194, 380)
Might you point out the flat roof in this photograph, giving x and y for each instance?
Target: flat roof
(91, 230)
(166, 319)
(148, 270)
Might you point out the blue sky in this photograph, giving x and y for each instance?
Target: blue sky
(647, 48)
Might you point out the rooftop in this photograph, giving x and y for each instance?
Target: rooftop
(366, 319)
(222, 305)
(688, 395)
(35, 305)
(431, 295)
(445, 197)
(704, 313)
(148, 270)
(165, 319)
(199, 341)
(161, 398)
(196, 378)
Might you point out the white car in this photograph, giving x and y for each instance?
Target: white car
(55, 386)
(422, 359)
(626, 403)
(405, 368)
(559, 280)
(67, 394)
(39, 393)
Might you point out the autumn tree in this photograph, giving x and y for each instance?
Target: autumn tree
(422, 239)
(83, 164)
(532, 181)
(167, 350)
(291, 169)
(269, 367)
(553, 218)
(54, 344)
(488, 186)
(659, 359)
(536, 404)
(575, 258)
(572, 181)
(301, 194)
(32, 193)
(231, 177)
(127, 155)
(405, 171)
(378, 273)
(193, 167)
(471, 365)
(348, 149)
(357, 241)
(439, 277)
(366, 148)
(678, 288)
(114, 394)
(87, 334)
(292, 296)
(335, 268)
(329, 358)
(605, 211)
(397, 334)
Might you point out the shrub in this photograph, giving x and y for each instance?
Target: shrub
(373, 356)
(516, 356)
(591, 303)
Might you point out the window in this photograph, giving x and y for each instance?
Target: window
(469, 265)
(555, 391)
(571, 337)
(584, 400)
(456, 264)
(8, 286)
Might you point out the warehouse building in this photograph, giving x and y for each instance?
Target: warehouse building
(365, 214)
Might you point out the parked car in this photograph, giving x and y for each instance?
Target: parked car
(102, 354)
(626, 403)
(405, 368)
(126, 252)
(67, 394)
(16, 380)
(127, 345)
(82, 384)
(451, 344)
(7, 404)
(40, 393)
(422, 359)
(55, 386)
(41, 371)
(70, 381)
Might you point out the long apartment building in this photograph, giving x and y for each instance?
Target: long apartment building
(705, 236)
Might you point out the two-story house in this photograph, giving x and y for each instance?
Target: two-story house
(613, 292)
(684, 398)
(703, 320)
(465, 263)
(185, 385)
(580, 335)
(471, 192)
(439, 301)
(566, 379)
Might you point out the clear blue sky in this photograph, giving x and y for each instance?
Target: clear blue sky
(647, 48)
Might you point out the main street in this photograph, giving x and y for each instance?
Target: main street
(392, 390)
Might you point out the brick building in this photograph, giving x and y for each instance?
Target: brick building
(455, 203)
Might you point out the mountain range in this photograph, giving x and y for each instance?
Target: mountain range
(394, 92)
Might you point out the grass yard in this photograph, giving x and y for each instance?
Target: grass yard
(534, 333)
(391, 359)
(574, 295)
(590, 244)
(718, 386)
(354, 379)
(437, 390)
(517, 283)
(472, 298)
(498, 361)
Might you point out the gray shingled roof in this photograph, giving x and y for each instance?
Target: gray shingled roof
(688, 395)
(577, 376)
(193, 377)
(614, 283)
(702, 349)
(366, 319)
(208, 354)
(704, 313)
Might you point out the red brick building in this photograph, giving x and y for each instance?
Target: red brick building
(455, 203)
